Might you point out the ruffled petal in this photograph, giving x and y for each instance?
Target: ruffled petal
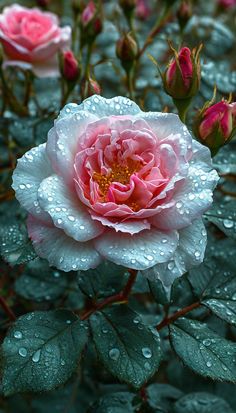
(31, 169)
(61, 251)
(139, 251)
(66, 210)
(192, 199)
(189, 253)
(131, 226)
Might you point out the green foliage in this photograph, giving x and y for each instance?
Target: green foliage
(41, 351)
(39, 283)
(204, 351)
(201, 403)
(129, 349)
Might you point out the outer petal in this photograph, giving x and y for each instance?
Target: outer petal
(48, 49)
(62, 252)
(103, 107)
(66, 210)
(31, 169)
(63, 140)
(138, 251)
(49, 68)
(189, 253)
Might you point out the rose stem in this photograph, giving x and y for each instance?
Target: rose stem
(7, 309)
(122, 296)
(168, 320)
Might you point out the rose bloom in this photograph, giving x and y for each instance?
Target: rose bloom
(113, 182)
(31, 39)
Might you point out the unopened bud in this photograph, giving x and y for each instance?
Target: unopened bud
(43, 3)
(184, 13)
(127, 50)
(182, 76)
(90, 87)
(70, 66)
(91, 23)
(215, 125)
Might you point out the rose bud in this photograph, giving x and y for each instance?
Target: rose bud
(226, 4)
(43, 3)
(215, 124)
(91, 23)
(184, 13)
(127, 50)
(70, 66)
(90, 87)
(182, 77)
(142, 10)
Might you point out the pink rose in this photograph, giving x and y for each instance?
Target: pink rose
(32, 38)
(113, 182)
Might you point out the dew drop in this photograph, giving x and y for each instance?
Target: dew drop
(18, 334)
(208, 363)
(228, 224)
(36, 356)
(71, 218)
(114, 353)
(147, 352)
(23, 352)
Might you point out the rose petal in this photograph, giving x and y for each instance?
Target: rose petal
(66, 210)
(32, 168)
(61, 251)
(139, 251)
(189, 253)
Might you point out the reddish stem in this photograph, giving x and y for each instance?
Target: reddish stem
(168, 320)
(7, 309)
(121, 297)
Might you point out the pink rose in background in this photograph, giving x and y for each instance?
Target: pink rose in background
(32, 38)
(113, 182)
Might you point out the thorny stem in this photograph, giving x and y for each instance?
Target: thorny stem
(7, 309)
(121, 297)
(168, 320)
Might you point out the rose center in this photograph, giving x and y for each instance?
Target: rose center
(118, 173)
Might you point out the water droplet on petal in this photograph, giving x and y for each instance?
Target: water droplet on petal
(18, 334)
(36, 356)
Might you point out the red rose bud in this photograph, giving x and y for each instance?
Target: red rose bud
(215, 125)
(127, 51)
(43, 3)
(184, 13)
(226, 4)
(88, 13)
(142, 9)
(70, 66)
(182, 77)
(91, 23)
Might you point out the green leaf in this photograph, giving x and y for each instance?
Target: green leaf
(204, 351)
(214, 282)
(202, 403)
(224, 217)
(129, 349)
(41, 350)
(158, 291)
(120, 402)
(102, 281)
(162, 396)
(39, 282)
(15, 247)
